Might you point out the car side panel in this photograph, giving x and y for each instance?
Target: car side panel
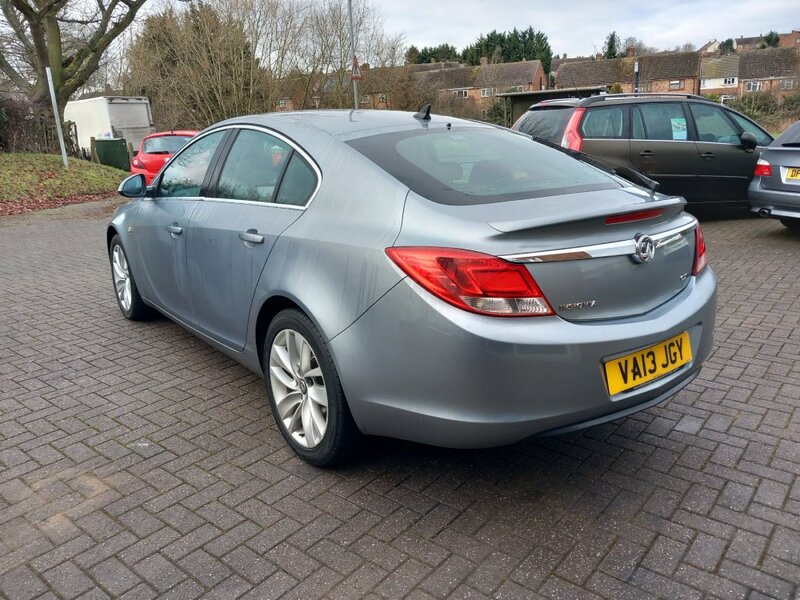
(331, 261)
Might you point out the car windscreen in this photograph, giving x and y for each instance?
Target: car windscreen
(548, 123)
(478, 165)
(165, 144)
(789, 138)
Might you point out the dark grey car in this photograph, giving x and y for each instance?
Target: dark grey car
(775, 190)
(693, 147)
(432, 279)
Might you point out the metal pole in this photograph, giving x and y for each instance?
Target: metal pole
(353, 53)
(57, 117)
(636, 77)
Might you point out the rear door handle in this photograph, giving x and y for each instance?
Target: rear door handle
(174, 230)
(252, 236)
(646, 153)
(708, 155)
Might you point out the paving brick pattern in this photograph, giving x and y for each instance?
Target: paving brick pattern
(137, 462)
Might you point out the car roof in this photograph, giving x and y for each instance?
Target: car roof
(345, 124)
(619, 99)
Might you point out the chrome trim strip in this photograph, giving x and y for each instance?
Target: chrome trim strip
(620, 248)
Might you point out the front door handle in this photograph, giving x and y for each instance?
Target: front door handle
(708, 155)
(646, 153)
(252, 236)
(174, 230)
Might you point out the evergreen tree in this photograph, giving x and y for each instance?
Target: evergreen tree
(771, 40)
(611, 47)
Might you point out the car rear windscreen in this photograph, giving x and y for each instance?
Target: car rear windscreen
(478, 165)
(164, 144)
(548, 123)
(789, 138)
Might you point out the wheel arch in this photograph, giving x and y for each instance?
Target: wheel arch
(111, 231)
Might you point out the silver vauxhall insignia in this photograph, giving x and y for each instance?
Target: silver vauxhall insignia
(425, 278)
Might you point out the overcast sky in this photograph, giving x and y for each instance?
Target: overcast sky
(579, 27)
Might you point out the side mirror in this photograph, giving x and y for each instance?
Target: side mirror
(135, 152)
(749, 141)
(133, 186)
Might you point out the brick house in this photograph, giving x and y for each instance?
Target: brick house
(662, 72)
(720, 76)
(775, 70)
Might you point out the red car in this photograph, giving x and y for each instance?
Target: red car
(156, 149)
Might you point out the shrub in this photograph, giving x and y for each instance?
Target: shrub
(756, 105)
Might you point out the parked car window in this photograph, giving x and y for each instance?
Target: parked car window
(606, 122)
(660, 121)
(790, 137)
(764, 139)
(183, 177)
(164, 144)
(547, 123)
(253, 167)
(477, 165)
(298, 183)
(712, 126)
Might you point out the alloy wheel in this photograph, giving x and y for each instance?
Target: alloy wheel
(122, 277)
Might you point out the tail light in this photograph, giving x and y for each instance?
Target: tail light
(763, 169)
(700, 258)
(137, 163)
(641, 215)
(472, 281)
(572, 138)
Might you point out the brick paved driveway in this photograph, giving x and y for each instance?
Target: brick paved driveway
(136, 461)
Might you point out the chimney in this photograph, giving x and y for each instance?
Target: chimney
(564, 56)
(598, 56)
(630, 51)
(484, 60)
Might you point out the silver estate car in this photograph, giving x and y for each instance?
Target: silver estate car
(420, 277)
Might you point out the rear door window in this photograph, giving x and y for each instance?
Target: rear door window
(712, 125)
(253, 167)
(606, 122)
(478, 165)
(659, 121)
(547, 123)
(298, 183)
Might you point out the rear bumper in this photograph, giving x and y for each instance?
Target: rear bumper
(777, 203)
(415, 368)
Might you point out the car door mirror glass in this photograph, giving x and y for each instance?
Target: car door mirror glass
(749, 140)
(133, 186)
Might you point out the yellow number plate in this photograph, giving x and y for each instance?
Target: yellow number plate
(650, 363)
(793, 173)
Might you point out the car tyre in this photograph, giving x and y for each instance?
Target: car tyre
(304, 391)
(792, 224)
(129, 301)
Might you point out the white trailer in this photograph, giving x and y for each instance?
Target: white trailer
(126, 117)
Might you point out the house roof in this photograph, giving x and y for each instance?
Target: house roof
(505, 75)
(720, 67)
(448, 78)
(749, 41)
(661, 66)
(557, 62)
(769, 62)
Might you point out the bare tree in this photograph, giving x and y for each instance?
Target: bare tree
(69, 36)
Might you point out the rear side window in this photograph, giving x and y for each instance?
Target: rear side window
(547, 123)
(298, 183)
(253, 167)
(659, 121)
(478, 165)
(606, 122)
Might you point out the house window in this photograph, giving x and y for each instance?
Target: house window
(515, 88)
(461, 94)
(282, 102)
(729, 81)
(646, 87)
(365, 99)
(487, 92)
(382, 98)
(703, 83)
(789, 84)
(676, 84)
(753, 86)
